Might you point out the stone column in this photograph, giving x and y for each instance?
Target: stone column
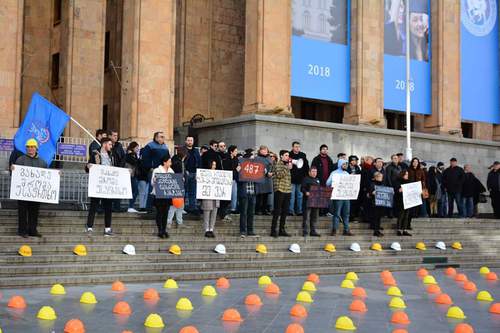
(367, 64)
(267, 57)
(11, 25)
(148, 59)
(82, 63)
(445, 25)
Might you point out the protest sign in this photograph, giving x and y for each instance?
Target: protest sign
(35, 184)
(345, 187)
(384, 196)
(319, 196)
(252, 170)
(169, 185)
(109, 182)
(214, 184)
(412, 194)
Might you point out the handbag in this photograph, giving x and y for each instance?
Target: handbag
(425, 193)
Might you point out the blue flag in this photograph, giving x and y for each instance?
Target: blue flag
(45, 123)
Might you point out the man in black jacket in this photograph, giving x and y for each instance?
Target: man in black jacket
(210, 155)
(453, 181)
(471, 190)
(118, 154)
(323, 164)
(493, 185)
(96, 145)
(298, 175)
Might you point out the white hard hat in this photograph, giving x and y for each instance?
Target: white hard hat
(441, 245)
(129, 249)
(220, 249)
(355, 247)
(396, 246)
(295, 248)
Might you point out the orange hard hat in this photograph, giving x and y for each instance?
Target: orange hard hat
(385, 274)
(450, 271)
(118, 286)
(151, 294)
(314, 278)
(492, 276)
(422, 272)
(17, 302)
(495, 308)
(189, 329)
(359, 292)
(469, 286)
(443, 299)
(273, 288)
(223, 283)
(298, 310)
(433, 289)
(253, 299)
(74, 326)
(400, 317)
(294, 328)
(178, 202)
(231, 315)
(463, 328)
(461, 278)
(122, 308)
(358, 306)
(390, 281)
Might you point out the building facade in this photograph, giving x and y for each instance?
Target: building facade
(140, 66)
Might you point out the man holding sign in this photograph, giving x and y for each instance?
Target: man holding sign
(28, 210)
(345, 187)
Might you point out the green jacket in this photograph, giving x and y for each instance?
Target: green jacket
(282, 181)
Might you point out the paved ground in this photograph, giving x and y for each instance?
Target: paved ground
(330, 302)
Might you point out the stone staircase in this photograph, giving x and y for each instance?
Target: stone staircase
(53, 260)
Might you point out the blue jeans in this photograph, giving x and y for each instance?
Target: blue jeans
(443, 205)
(234, 196)
(143, 193)
(296, 194)
(457, 197)
(468, 204)
(190, 188)
(341, 211)
(135, 191)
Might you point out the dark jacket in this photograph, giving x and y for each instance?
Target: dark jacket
(231, 164)
(178, 165)
(382, 171)
(132, 162)
(307, 183)
(193, 159)
(35, 162)
(94, 146)
(392, 172)
(493, 182)
(472, 186)
(319, 165)
(453, 179)
(14, 155)
(354, 170)
(209, 156)
(95, 158)
(153, 154)
(299, 174)
(118, 154)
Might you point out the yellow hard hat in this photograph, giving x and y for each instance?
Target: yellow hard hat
(484, 270)
(394, 291)
(88, 298)
(344, 323)
(376, 247)
(265, 280)
(351, 276)
(455, 312)
(421, 246)
(31, 143)
(261, 248)
(347, 284)
(170, 284)
(304, 296)
(429, 279)
(25, 251)
(456, 246)
(175, 249)
(57, 289)
(209, 291)
(397, 303)
(484, 296)
(154, 321)
(46, 313)
(80, 250)
(184, 304)
(308, 286)
(330, 247)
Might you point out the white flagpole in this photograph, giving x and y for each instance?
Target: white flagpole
(84, 129)
(408, 93)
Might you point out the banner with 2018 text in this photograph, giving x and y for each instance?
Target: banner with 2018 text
(109, 182)
(35, 184)
(213, 184)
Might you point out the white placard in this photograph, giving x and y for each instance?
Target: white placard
(412, 194)
(35, 184)
(345, 187)
(214, 184)
(109, 182)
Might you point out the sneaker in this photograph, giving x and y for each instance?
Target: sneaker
(274, 234)
(377, 234)
(108, 232)
(212, 235)
(400, 233)
(329, 214)
(166, 235)
(347, 233)
(406, 233)
(207, 234)
(160, 235)
(89, 230)
(243, 236)
(132, 210)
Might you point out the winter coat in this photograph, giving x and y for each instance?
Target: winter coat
(493, 182)
(296, 173)
(453, 179)
(392, 172)
(35, 161)
(472, 186)
(153, 154)
(193, 159)
(417, 175)
(317, 162)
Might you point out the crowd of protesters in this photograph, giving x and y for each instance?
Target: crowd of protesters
(285, 191)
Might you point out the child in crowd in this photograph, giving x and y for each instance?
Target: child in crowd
(209, 208)
(162, 205)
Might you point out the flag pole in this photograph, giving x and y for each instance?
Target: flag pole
(84, 129)
(408, 93)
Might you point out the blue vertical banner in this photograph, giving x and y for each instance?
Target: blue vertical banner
(321, 49)
(395, 55)
(479, 61)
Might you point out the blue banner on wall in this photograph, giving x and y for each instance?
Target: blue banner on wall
(395, 52)
(321, 50)
(479, 75)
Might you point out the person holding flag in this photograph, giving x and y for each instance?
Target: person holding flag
(28, 210)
